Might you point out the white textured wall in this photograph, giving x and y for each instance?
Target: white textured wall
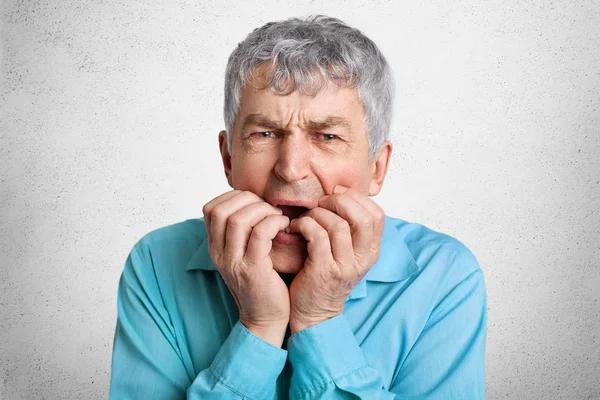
(108, 119)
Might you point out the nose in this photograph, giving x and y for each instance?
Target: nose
(293, 163)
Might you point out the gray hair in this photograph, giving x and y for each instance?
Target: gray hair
(304, 55)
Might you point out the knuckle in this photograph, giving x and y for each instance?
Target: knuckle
(206, 209)
(268, 209)
(260, 232)
(235, 221)
(275, 210)
(337, 274)
(321, 235)
(301, 220)
(365, 221)
(247, 195)
(219, 213)
(341, 226)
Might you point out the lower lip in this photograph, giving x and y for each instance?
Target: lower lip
(288, 239)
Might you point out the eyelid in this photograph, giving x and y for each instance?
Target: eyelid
(322, 135)
(259, 133)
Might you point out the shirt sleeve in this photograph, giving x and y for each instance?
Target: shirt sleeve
(448, 359)
(446, 362)
(147, 362)
(328, 363)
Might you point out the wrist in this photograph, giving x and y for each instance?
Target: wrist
(299, 324)
(270, 333)
(296, 327)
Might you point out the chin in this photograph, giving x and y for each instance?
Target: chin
(288, 259)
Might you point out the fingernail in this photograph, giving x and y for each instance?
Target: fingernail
(339, 189)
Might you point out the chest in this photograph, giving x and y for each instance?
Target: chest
(385, 323)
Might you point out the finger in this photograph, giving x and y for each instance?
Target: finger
(261, 238)
(338, 230)
(221, 212)
(359, 219)
(367, 202)
(317, 238)
(241, 223)
(208, 207)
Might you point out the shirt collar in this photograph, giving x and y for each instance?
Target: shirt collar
(395, 261)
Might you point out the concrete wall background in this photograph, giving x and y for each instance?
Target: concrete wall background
(108, 119)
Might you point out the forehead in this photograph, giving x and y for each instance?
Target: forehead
(333, 102)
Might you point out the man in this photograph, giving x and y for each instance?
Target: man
(295, 284)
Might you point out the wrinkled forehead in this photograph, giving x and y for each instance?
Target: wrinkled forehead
(331, 108)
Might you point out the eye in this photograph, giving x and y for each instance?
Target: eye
(328, 137)
(264, 134)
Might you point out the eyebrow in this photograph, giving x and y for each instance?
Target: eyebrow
(327, 123)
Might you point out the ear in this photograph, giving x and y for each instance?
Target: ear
(225, 156)
(380, 167)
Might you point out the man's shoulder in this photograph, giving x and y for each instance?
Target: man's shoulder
(189, 230)
(438, 253)
(171, 244)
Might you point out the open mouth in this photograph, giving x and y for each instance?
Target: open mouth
(293, 209)
(286, 236)
(292, 212)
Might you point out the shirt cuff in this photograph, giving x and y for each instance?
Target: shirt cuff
(248, 365)
(323, 353)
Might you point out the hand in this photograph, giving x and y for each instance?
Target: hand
(343, 237)
(241, 227)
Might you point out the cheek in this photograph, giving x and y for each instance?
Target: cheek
(250, 173)
(351, 175)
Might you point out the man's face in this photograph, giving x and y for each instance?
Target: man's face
(292, 149)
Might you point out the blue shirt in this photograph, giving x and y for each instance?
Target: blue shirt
(414, 327)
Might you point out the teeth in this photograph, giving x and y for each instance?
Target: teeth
(287, 230)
